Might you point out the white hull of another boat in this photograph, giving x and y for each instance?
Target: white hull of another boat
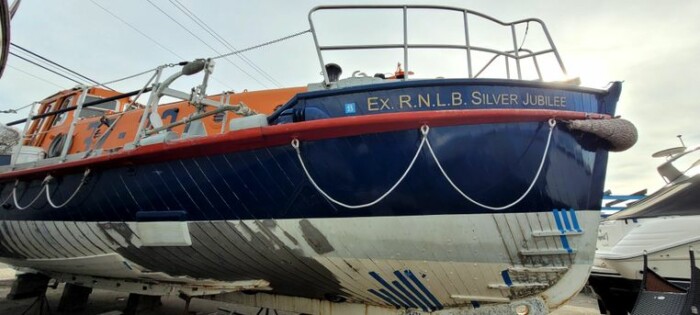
(621, 245)
(482, 258)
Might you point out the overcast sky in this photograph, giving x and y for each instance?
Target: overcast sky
(653, 46)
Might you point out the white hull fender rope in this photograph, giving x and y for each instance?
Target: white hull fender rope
(45, 188)
(425, 130)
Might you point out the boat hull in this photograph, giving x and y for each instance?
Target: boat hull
(619, 262)
(469, 259)
(466, 206)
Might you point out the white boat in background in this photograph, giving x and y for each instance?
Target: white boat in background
(664, 225)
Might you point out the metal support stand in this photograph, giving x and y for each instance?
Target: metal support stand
(74, 298)
(41, 303)
(140, 302)
(28, 285)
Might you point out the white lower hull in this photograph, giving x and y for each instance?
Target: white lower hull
(461, 260)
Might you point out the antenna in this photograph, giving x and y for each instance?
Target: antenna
(680, 138)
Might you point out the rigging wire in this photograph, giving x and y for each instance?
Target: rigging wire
(137, 30)
(150, 38)
(54, 63)
(45, 68)
(204, 42)
(177, 4)
(36, 77)
(172, 65)
(15, 110)
(274, 41)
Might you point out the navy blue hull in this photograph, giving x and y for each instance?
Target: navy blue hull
(492, 163)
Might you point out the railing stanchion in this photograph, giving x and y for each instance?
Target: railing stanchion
(515, 49)
(76, 115)
(147, 110)
(225, 98)
(20, 143)
(466, 41)
(405, 43)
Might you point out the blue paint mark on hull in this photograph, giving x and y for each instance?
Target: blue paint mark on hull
(565, 217)
(557, 220)
(558, 215)
(408, 296)
(506, 278)
(404, 301)
(574, 220)
(413, 289)
(425, 290)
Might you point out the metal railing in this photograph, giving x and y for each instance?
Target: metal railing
(517, 53)
(197, 97)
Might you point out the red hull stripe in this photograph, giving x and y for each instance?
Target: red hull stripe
(283, 134)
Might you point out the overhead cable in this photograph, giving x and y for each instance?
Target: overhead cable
(177, 4)
(137, 30)
(274, 41)
(52, 62)
(36, 77)
(45, 68)
(147, 37)
(172, 65)
(204, 42)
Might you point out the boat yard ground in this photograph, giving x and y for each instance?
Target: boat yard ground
(110, 302)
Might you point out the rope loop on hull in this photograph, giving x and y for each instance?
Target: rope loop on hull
(45, 188)
(14, 195)
(552, 124)
(48, 193)
(425, 130)
(295, 145)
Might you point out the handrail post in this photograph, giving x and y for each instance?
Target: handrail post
(225, 99)
(326, 81)
(537, 68)
(76, 115)
(505, 57)
(153, 98)
(517, 53)
(405, 43)
(20, 143)
(554, 48)
(466, 41)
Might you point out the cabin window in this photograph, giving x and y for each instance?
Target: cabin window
(60, 118)
(99, 109)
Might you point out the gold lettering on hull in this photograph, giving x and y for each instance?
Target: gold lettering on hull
(477, 98)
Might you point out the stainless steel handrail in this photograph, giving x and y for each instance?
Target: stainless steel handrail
(515, 53)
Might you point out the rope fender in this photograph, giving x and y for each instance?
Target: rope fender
(45, 188)
(425, 130)
(618, 134)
